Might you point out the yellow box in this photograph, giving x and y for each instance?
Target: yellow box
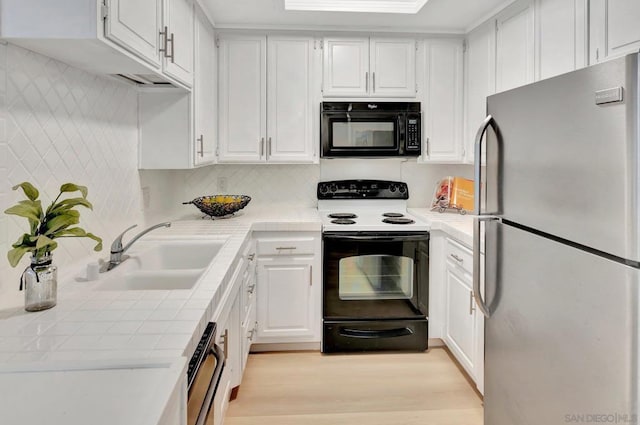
(462, 193)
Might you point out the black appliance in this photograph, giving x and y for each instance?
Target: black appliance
(370, 129)
(375, 268)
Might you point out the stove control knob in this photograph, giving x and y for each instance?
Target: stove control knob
(393, 188)
(403, 189)
(324, 188)
(333, 188)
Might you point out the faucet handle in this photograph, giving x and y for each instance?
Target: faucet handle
(116, 246)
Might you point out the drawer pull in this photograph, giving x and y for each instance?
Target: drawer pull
(251, 289)
(458, 259)
(279, 248)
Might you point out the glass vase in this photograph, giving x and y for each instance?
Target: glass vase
(40, 284)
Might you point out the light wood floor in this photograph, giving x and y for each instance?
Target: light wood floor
(306, 388)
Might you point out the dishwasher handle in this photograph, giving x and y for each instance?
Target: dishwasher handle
(218, 353)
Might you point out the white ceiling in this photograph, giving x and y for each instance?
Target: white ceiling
(435, 16)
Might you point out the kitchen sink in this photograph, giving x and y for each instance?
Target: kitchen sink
(163, 264)
(151, 280)
(178, 255)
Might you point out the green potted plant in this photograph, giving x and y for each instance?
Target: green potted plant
(59, 220)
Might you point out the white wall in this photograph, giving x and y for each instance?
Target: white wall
(59, 124)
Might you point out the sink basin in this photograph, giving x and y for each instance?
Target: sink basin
(178, 255)
(165, 264)
(151, 280)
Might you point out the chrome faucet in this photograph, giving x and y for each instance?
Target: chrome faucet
(117, 250)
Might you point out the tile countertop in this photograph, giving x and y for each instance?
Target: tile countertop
(456, 225)
(131, 325)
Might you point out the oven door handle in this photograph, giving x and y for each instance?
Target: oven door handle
(218, 353)
(367, 334)
(389, 238)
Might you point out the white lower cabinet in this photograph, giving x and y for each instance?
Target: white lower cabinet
(248, 308)
(288, 288)
(460, 317)
(228, 337)
(453, 314)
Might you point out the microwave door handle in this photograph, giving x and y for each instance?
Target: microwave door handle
(218, 353)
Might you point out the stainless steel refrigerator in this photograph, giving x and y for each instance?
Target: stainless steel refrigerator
(559, 172)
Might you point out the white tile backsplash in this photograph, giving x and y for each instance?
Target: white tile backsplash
(296, 184)
(59, 124)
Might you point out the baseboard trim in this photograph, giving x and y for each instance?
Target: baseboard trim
(435, 342)
(287, 346)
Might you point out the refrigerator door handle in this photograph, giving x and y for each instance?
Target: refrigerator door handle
(477, 269)
(478, 162)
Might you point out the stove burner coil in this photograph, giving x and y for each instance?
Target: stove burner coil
(343, 221)
(393, 214)
(343, 215)
(398, 220)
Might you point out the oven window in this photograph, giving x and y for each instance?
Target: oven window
(363, 134)
(375, 277)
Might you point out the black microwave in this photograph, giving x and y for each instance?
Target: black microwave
(370, 129)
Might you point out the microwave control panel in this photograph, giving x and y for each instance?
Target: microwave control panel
(413, 133)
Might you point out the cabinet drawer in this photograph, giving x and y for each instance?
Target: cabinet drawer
(295, 246)
(248, 290)
(459, 255)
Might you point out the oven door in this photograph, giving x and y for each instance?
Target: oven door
(374, 276)
(203, 388)
(361, 134)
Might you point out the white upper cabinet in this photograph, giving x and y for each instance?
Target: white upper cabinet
(177, 129)
(282, 70)
(158, 31)
(135, 25)
(393, 67)
(178, 39)
(346, 67)
(205, 92)
(561, 36)
(149, 41)
(363, 67)
(480, 81)
(291, 99)
(515, 46)
(443, 110)
(242, 98)
(614, 28)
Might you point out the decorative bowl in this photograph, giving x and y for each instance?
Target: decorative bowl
(220, 205)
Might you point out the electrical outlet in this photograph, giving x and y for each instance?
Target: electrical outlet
(222, 184)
